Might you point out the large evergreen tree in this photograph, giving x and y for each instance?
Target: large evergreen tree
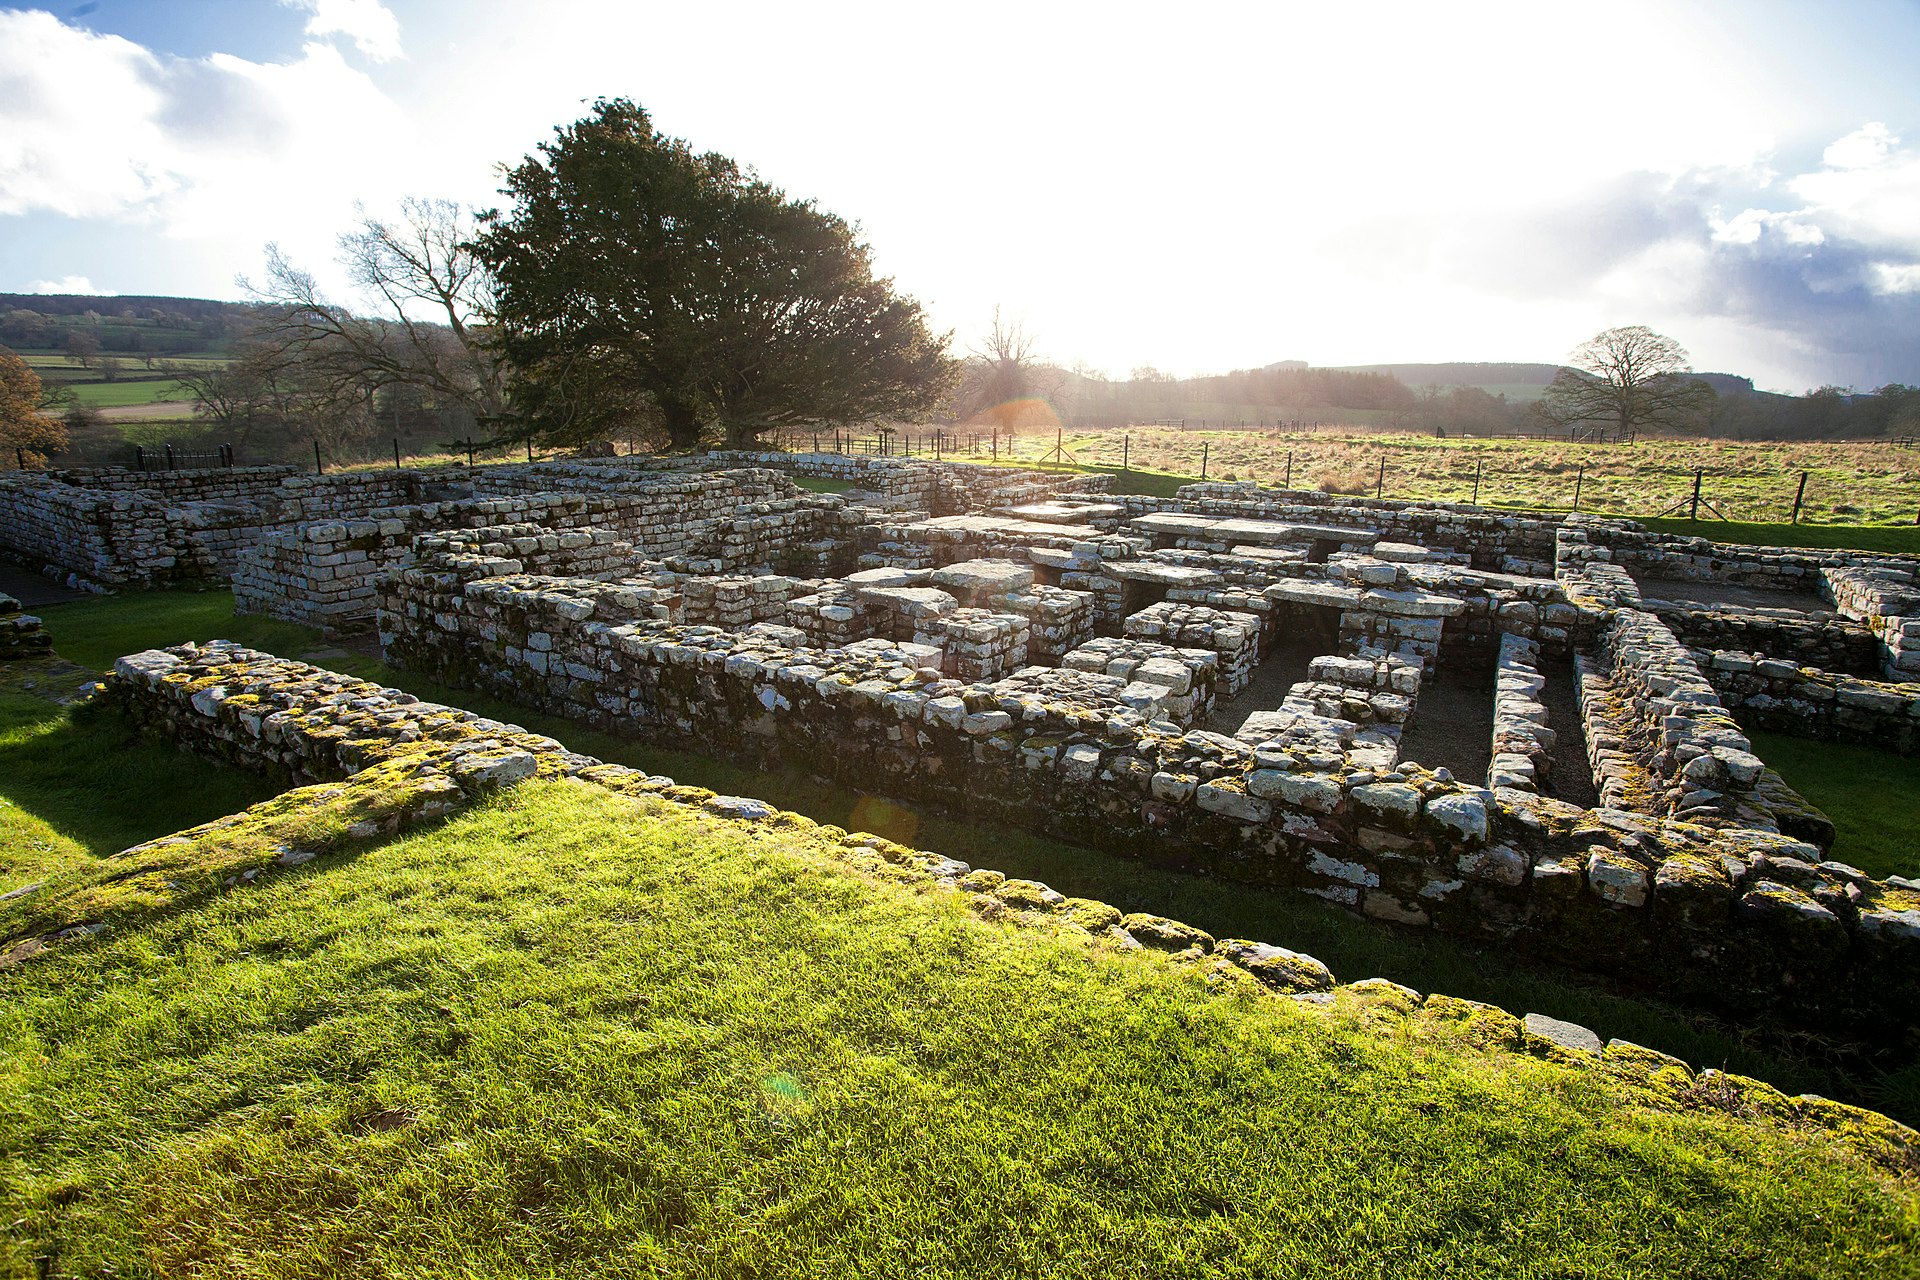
(638, 277)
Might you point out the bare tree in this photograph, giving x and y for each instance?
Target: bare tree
(1003, 375)
(1632, 378)
(432, 304)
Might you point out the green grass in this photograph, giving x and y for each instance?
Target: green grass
(822, 484)
(1872, 797)
(105, 395)
(79, 784)
(1848, 484)
(97, 630)
(1895, 539)
(568, 1034)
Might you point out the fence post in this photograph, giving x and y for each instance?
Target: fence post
(529, 448)
(20, 457)
(1203, 459)
(396, 451)
(469, 451)
(1578, 477)
(139, 459)
(1798, 494)
(1693, 513)
(170, 454)
(319, 468)
(1380, 481)
(1476, 481)
(1288, 482)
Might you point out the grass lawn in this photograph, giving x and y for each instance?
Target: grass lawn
(98, 630)
(1872, 796)
(1848, 484)
(569, 1034)
(1894, 539)
(79, 784)
(106, 395)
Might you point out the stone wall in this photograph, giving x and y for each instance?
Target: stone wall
(1886, 598)
(1522, 743)
(393, 763)
(1687, 745)
(115, 528)
(1806, 702)
(1511, 543)
(1828, 641)
(1233, 636)
(1738, 918)
(326, 574)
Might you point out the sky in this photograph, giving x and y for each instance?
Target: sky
(1197, 188)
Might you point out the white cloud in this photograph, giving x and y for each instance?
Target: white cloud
(1864, 148)
(65, 284)
(1867, 190)
(76, 124)
(1904, 278)
(1747, 226)
(368, 23)
(208, 148)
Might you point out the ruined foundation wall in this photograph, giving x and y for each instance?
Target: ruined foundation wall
(326, 574)
(1742, 920)
(21, 635)
(1806, 702)
(1501, 542)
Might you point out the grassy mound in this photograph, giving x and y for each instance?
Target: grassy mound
(575, 1033)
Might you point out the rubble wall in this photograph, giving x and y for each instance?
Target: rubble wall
(1743, 919)
(324, 574)
(1806, 702)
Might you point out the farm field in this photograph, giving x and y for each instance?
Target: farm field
(123, 393)
(1753, 482)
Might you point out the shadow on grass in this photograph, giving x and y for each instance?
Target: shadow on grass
(86, 773)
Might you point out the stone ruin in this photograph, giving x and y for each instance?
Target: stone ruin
(1232, 681)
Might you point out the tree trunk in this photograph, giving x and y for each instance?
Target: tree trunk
(741, 435)
(683, 424)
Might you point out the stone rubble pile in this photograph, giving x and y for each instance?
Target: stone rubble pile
(21, 634)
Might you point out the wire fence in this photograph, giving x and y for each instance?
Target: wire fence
(1642, 481)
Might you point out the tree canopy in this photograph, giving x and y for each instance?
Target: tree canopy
(1632, 378)
(22, 424)
(637, 277)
